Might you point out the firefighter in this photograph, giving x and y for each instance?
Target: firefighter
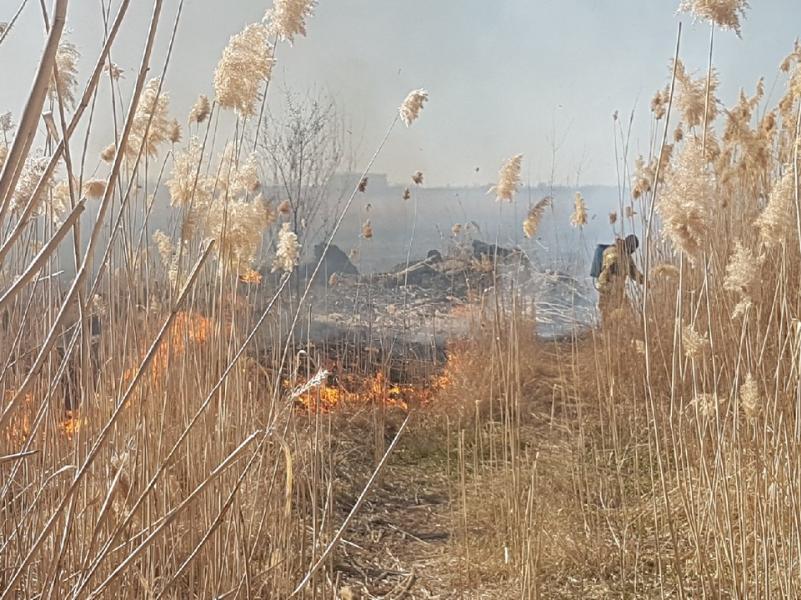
(617, 266)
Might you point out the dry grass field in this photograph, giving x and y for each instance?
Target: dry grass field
(170, 429)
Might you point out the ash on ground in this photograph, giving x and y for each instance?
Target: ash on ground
(429, 298)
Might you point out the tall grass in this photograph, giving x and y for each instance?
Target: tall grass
(666, 464)
(149, 444)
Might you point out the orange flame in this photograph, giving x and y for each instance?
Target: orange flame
(187, 326)
(250, 276)
(19, 428)
(361, 391)
(71, 424)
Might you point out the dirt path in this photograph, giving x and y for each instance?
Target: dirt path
(406, 541)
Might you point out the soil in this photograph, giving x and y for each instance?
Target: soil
(408, 540)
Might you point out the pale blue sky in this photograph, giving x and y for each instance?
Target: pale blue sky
(504, 75)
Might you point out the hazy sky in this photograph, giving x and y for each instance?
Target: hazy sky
(505, 76)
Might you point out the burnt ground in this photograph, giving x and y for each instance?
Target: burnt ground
(400, 321)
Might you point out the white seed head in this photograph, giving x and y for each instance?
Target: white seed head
(412, 105)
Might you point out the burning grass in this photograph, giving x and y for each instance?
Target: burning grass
(19, 427)
(189, 329)
(653, 457)
(351, 391)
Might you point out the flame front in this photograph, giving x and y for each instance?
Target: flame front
(19, 427)
(250, 276)
(187, 326)
(352, 390)
(71, 424)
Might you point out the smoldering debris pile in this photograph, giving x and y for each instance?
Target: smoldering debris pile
(403, 318)
(417, 300)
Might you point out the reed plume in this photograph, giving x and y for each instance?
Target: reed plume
(32, 171)
(94, 188)
(666, 271)
(200, 110)
(508, 179)
(168, 254)
(175, 132)
(791, 65)
(288, 18)
(706, 404)
(367, 230)
(238, 178)
(750, 398)
(6, 124)
(288, 254)
(692, 96)
(108, 153)
(534, 217)
(742, 277)
(659, 103)
(115, 71)
(776, 220)
(725, 14)
(579, 217)
(247, 62)
(151, 125)
(60, 201)
(185, 183)
(65, 80)
(412, 105)
(684, 202)
(695, 345)
(238, 226)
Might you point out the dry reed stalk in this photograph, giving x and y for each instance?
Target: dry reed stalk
(647, 355)
(12, 168)
(10, 25)
(62, 146)
(39, 261)
(216, 523)
(173, 514)
(356, 506)
(104, 434)
(167, 459)
(17, 456)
